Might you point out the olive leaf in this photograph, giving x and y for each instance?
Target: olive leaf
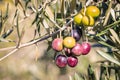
(117, 55)
(113, 14)
(91, 73)
(62, 7)
(114, 34)
(113, 25)
(105, 44)
(49, 12)
(107, 14)
(17, 26)
(108, 57)
(77, 77)
(44, 23)
(7, 33)
(26, 3)
(5, 17)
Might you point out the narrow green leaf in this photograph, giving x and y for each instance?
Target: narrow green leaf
(114, 34)
(46, 26)
(108, 57)
(26, 3)
(16, 2)
(62, 7)
(105, 44)
(7, 33)
(38, 28)
(17, 26)
(108, 27)
(49, 12)
(113, 14)
(91, 73)
(53, 21)
(6, 13)
(107, 14)
(15, 15)
(113, 39)
(117, 55)
(76, 77)
(36, 18)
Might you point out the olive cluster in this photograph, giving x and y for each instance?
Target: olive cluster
(86, 16)
(70, 49)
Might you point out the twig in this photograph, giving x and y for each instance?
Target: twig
(13, 51)
(8, 48)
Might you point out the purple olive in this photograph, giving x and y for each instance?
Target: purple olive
(76, 34)
(61, 61)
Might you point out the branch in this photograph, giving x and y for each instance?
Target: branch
(33, 42)
(10, 53)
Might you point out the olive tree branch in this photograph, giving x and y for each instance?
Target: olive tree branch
(34, 41)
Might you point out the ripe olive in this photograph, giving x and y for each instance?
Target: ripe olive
(57, 44)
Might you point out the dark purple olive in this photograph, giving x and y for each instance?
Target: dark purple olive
(76, 34)
(79, 29)
(61, 60)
